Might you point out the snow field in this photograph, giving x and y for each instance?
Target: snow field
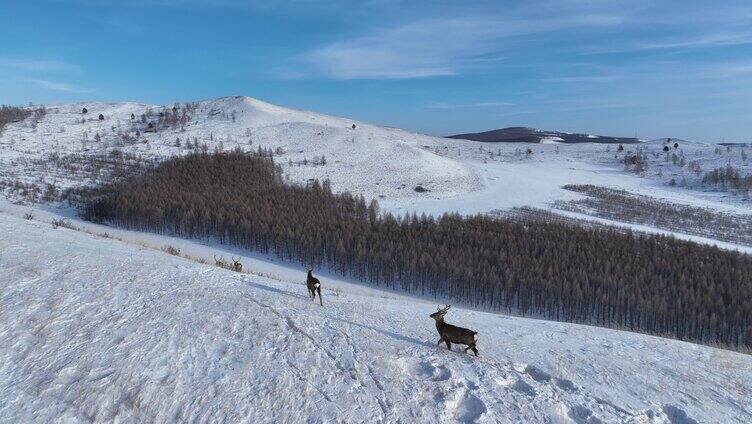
(95, 329)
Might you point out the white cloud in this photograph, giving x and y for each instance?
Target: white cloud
(36, 65)
(585, 79)
(709, 40)
(436, 47)
(58, 86)
(444, 105)
(706, 41)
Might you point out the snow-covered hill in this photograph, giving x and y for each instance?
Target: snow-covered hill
(65, 148)
(96, 329)
(367, 159)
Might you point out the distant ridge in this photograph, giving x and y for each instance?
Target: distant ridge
(532, 135)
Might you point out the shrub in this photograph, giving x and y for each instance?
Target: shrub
(172, 250)
(10, 114)
(62, 222)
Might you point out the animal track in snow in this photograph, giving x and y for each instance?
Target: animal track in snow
(537, 374)
(522, 387)
(465, 407)
(580, 414)
(565, 385)
(428, 370)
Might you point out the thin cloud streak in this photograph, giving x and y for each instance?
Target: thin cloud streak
(711, 40)
(584, 79)
(708, 41)
(450, 106)
(435, 47)
(36, 65)
(58, 86)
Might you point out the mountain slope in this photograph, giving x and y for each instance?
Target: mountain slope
(368, 159)
(531, 135)
(95, 329)
(66, 149)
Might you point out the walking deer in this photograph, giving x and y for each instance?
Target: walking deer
(453, 334)
(314, 286)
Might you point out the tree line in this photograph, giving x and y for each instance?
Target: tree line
(729, 177)
(654, 284)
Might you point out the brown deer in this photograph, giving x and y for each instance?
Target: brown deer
(453, 334)
(236, 265)
(220, 262)
(314, 286)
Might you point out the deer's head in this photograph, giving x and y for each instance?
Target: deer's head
(439, 314)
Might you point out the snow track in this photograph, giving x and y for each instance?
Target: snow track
(94, 329)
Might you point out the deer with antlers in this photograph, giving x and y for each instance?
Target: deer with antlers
(314, 286)
(452, 334)
(236, 265)
(220, 262)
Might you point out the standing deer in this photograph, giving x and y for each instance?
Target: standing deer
(314, 286)
(220, 262)
(236, 265)
(453, 334)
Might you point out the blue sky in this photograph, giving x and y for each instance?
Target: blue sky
(645, 68)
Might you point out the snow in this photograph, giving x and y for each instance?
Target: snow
(551, 140)
(375, 161)
(98, 329)
(114, 329)
(368, 159)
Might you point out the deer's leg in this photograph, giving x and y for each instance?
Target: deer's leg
(321, 301)
(475, 350)
(440, 340)
(449, 344)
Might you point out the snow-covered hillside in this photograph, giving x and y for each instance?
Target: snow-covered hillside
(66, 148)
(367, 159)
(96, 329)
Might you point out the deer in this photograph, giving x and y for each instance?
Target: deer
(314, 286)
(453, 334)
(236, 265)
(220, 262)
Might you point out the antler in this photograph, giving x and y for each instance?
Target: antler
(235, 260)
(446, 308)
